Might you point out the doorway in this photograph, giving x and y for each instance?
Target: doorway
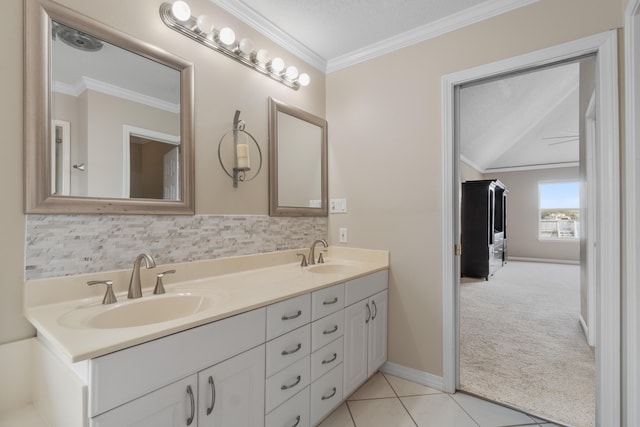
(607, 206)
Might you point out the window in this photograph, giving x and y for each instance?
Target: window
(559, 210)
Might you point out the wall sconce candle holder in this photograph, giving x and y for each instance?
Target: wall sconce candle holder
(177, 16)
(241, 150)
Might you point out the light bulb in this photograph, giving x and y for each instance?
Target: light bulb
(292, 72)
(277, 65)
(181, 11)
(304, 79)
(245, 46)
(227, 36)
(204, 24)
(261, 57)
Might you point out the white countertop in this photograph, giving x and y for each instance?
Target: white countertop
(242, 284)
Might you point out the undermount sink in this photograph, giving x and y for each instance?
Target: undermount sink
(331, 268)
(138, 312)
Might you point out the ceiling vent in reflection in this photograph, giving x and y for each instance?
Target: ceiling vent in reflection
(75, 38)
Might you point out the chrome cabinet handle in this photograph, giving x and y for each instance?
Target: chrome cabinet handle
(288, 352)
(213, 396)
(368, 314)
(333, 358)
(297, 421)
(333, 393)
(293, 316)
(373, 303)
(287, 387)
(193, 405)
(333, 301)
(330, 331)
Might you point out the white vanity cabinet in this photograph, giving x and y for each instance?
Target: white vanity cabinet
(231, 393)
(365, 336)
(161, 382)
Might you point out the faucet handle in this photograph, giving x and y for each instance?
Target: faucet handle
(321, 257)
(109, 296)
(303, 263)
(159, 289)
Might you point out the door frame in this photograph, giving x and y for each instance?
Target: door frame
(604, 45)
(631, 223)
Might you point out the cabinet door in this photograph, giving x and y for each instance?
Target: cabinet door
(377, 331)
(231, 393)
(171, 406)
(356, 322)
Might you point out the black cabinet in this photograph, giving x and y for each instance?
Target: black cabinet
(484, 227)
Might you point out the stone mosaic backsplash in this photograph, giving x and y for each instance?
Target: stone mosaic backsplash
(63, 245)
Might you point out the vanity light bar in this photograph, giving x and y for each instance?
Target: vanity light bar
(177, 16)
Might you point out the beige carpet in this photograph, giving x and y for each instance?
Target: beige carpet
(521, 342)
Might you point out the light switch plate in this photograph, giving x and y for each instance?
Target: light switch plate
(343, 235)
(338, 206)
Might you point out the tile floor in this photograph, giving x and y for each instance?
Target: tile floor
(386, 401)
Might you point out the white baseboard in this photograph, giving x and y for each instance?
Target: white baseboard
(551, 261)
(413, 375)
(585, 330)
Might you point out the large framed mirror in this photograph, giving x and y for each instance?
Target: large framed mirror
(108, 119)
(297, 162)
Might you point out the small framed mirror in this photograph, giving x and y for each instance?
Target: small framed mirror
(108, 119)
(297, 162)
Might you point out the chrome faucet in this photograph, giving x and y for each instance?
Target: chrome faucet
(135, 287)
(312, 250)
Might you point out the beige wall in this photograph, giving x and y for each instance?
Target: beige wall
(522, 214)
(221, 84)
(386, 159)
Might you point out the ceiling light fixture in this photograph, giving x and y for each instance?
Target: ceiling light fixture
(177, 16)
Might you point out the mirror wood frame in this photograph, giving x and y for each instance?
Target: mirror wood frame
(39, 15)
(275, 209)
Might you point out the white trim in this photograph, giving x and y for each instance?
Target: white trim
(631, 240)
(469, 16)
(545, 260)
(608, 250)
(127, 132)
(265, 27)
(534, 167)
(413, 375)
(99, 86)
(585, 330)
(589, 225)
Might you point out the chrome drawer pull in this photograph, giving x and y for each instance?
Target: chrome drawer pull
(333, 393)
(333, 301)
(333, 358)
(373, 303)
(213, 396)
(193, 405)
(327, 332)
(368, 314)
(297, 421)
(293, 316)
(288, 352)
(287, 387)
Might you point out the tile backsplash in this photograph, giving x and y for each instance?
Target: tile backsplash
(62, 245)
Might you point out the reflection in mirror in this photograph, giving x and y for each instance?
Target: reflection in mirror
(298, 162)
(120, 114)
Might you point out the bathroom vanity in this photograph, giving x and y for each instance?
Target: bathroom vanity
(266, 342)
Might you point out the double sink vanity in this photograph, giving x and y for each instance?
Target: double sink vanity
(243, 341)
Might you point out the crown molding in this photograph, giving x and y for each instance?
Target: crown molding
(99, 86)
(265, 27)
(472, 15)
(469, 16)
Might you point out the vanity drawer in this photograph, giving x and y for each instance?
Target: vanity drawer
(327, 329)
(327, 301)
(124, 375)
(326, 394)
(288, 348)
(286, 383)
(363, 287)
(293, 412)
(288, 315)
(328, 357)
